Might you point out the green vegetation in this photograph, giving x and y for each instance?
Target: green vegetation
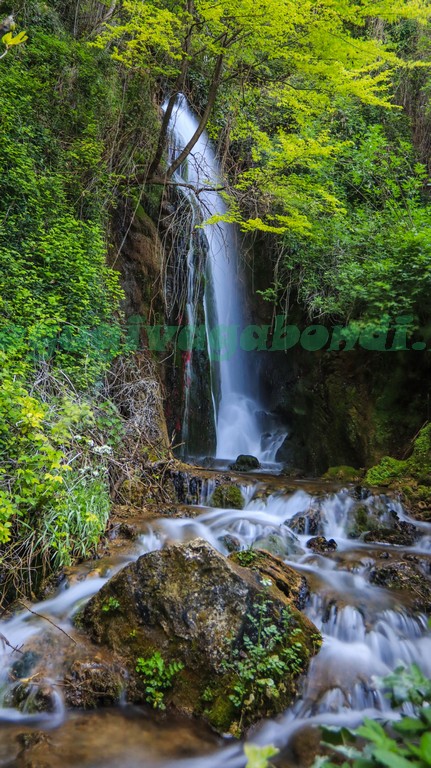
(258, 757)
(111, 604)
(64, 174)
(270, 655)
(158, 677)
(227, 496)
(403, 743)
(412, 476)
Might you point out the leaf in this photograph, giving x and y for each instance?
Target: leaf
(425, 748)
(391, 759)
(257, 757)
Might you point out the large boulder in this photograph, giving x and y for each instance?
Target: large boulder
(205, 634)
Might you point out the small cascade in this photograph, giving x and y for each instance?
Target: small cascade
(243, 425)
(368, 629)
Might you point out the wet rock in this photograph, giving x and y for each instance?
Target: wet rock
(32, 696)
(321, 545)
(309, 523)
(404, 577)
(401, 536)
(91, 684)
(362, 519)
(292, 584)
(280, 545)
(227, 496)
(245, 463)
(231, 543)
(33, 750)
(188, 487)
(192, 605)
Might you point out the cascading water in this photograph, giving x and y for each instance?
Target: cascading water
(368, 630)
(242, 423)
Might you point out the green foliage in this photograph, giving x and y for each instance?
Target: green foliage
(258, 757)
(246, 557)
(158, 677)
(73, 530)
(410, 741)
(227, 496)
(386, 472)
(270, 653)
(280, 90)
(55, 105)
(111, 604)
(417, 467)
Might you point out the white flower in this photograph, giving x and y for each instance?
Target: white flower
(266, 582)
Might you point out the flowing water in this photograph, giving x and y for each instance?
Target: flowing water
(243, 425)
(368, 631)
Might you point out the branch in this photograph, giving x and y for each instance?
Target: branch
(179, 86)
(40, 616)
(204, 119)
(197, 190)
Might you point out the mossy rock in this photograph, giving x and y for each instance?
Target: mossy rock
(245, 463)
(227, 496)
(385, 473)
(343, 474)
(411, 477)
(407, 579)
(194, 606)
(322, 545)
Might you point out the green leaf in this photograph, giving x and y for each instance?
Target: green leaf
(391, 759)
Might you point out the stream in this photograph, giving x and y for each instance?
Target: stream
(368, 631)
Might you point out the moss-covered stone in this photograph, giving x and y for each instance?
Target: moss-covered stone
(384, 473)
(411, 476)
(196, 607)
(406, 578)
(227, 496)
(343, 474)
(245, 463)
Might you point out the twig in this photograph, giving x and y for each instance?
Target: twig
(40, 616)
(5, 641)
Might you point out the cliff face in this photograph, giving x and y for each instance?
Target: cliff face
(349, 407)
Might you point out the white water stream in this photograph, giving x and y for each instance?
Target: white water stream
(242, 423)
(368, 631)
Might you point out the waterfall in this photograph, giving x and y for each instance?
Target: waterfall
(242, 423)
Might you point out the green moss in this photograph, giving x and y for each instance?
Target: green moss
(343, 473)
(227, 497)
(386, 472)
(245, 558)
(412, 476)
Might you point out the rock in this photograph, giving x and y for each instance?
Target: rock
(322, 545)
(231, 542)
(280, 545)
(399, 536)
(404, 577)
(309, 523)
(90, 684)
(227, 496)
(343, 474)
(195, 607)
(286, 579)
(245, 463)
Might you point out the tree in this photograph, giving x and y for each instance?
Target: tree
(286, 63)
